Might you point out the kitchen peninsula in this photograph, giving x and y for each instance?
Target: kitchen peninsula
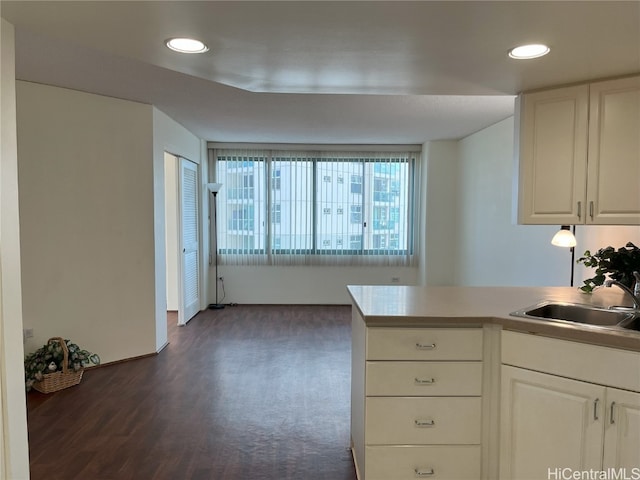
(443, 381)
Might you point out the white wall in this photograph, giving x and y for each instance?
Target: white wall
(14, 449)
(93, 236)
(301, 284)
(87, 220)
(438, 222)
(170, 136)
(171, 228)
(494, 251)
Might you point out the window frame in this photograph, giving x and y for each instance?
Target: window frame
(367, 184)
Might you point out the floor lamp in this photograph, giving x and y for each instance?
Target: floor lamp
(567, 238)
(214, 188)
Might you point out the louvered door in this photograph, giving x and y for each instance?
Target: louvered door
(190, 234)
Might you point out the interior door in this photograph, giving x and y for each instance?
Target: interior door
(190, 247)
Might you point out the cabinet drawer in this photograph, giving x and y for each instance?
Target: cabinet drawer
(404, 379)
(404, 462)
(422, 420)
(424, 343)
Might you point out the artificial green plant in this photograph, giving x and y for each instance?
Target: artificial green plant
(610, 263)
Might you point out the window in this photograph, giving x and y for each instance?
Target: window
(241, 218)
(241, 204)
(380, 218)
(379, 241)
(381, 190)
(356, 214)
(356, 184)
(366, 219)
(355, 242)
(275, 213)
(275, 180)
(394, 240)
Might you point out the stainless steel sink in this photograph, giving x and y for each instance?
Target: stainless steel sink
(582, 314)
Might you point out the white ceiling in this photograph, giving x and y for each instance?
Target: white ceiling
(321, 71)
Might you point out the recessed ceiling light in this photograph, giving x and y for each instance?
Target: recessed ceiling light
(186, 45)
(525, 52)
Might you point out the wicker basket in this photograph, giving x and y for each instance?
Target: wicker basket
(52, 382)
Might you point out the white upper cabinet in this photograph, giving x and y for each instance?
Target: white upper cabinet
(553, 156)
(579, 154)
(613, 187)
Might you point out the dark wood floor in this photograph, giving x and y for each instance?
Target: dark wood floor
(244, 393)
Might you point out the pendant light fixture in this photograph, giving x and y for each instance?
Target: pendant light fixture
(566, 237)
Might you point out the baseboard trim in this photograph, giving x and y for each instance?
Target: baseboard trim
(125, 360)
(355, 462)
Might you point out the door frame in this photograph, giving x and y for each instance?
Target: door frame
(202, 234)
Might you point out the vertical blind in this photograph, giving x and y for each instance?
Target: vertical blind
(304, 208)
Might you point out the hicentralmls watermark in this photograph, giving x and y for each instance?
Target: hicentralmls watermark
(560, 473)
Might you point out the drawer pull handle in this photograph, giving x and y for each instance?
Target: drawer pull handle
(420, 473)
(425, 423)
(596, 403)
(425, 381)
(612, 420)
(425, 346)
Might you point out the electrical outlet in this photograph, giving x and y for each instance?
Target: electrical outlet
(395, 279)
(27, 333)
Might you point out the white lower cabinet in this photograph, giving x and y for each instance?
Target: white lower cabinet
(416, 402)
(548, 422)
(555, 427)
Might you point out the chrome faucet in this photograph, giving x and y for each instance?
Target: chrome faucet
(632, 293)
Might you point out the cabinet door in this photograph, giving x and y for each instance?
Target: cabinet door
(613, 191)
(548, 423)
(622, 430)
(553, 156)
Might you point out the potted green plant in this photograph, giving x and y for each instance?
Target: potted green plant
(58, 364)
(610, 263)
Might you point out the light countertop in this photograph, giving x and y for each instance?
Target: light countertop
(413, 306)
